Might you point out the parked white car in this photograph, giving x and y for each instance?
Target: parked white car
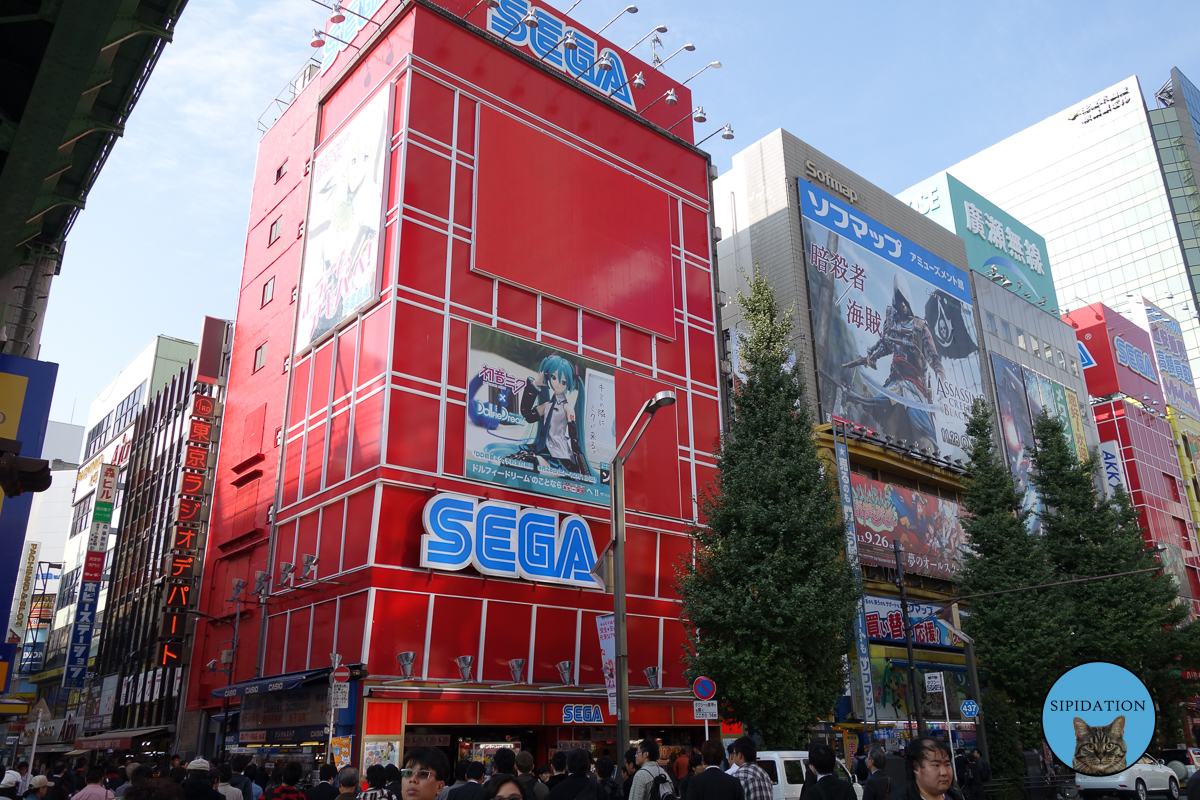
(786, 769)
(1145, 777)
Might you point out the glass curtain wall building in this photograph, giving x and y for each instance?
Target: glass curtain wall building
(1096, 180)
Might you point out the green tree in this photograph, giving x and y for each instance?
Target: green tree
(1134, 621)
(1018, 636)
(769, 600)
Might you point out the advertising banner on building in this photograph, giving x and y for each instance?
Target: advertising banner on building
(862, 649)
(898, 349)
(885, 622)
(1075, 412)
(1111, 467)
(928, 527)
(892, 676)
(1170, 353)
(23, 595)
(1016, 428)
(79, 645)
(539, 419)
(606, 628)
(342, 249)
(997, 243)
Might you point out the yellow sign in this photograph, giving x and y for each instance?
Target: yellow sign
(12, 401)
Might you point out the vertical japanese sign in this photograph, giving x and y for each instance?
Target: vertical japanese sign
(22, 602)
(862, 648)
(181, 564)
(1075, 411)
(1170, 354)
(898, 350)
(79, 645)
(606, 627)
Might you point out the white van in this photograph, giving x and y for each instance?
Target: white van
(787, 768)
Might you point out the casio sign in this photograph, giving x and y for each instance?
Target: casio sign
(507, 541)
(821, 176)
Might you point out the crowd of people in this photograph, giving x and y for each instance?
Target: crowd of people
(711, 773)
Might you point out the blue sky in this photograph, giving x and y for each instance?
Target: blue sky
(895, 91)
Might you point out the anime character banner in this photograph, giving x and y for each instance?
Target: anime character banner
(1016, 428)
(928, 527)
(896, 348)
(891, 681)
(539, 419)
(345, 216)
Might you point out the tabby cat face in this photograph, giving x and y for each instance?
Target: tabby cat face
(1100, 749)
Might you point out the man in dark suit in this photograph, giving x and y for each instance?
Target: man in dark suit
(713, 783)
(828, 785)
(877, 785)
(473, 788)
(962, 773)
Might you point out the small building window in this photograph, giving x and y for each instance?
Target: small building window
(1020, 338)
(1074, 367)
(275, 226)
(281, 171)
(991, 322)
(1005, 331)
(1047, 351)
(1033, 345)
(268, 291)
(260, 357)
(1062, 360)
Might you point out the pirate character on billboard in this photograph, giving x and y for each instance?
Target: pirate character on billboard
(904, 404)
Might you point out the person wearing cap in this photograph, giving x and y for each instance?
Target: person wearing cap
(198, 785)
(38, 786)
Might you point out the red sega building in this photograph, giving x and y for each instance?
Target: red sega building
(1137, 446)
(539, 266)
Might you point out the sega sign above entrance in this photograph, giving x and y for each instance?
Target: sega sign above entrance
(506, 541)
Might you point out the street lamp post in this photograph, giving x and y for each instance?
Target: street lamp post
(616, 494)
(908, 641)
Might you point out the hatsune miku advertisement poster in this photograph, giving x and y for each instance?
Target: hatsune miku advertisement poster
(539, 418)
(342, 252)
(896, 345)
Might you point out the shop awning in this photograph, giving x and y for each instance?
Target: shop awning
(279, 683)
(116, 740)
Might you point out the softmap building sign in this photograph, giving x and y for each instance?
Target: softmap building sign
(997, 243)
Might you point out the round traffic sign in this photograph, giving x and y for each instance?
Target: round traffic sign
(970, 708)
(341, 674)
(704, 688)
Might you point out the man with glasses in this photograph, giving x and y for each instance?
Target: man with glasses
(424, 774)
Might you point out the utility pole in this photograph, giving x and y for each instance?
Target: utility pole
(908, 641)
(973, 679)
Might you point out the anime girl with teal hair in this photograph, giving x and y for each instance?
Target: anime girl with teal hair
(546, 402)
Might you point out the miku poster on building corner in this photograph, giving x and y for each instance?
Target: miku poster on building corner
(539, 418)
(345, 216)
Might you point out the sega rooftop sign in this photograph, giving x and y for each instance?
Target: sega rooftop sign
(505, 540)
(1117, 355)
(545, 41)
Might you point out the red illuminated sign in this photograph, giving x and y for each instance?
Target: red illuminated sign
(195, 458)
(1123, 353)
(171, 655)
(189, 510)
(184, 539)
(178, 595)
(173, 626)
(200, 432)
(181, 567)
(203, 406)
(192, 484)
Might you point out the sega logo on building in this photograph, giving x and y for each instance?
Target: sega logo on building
(545, 41)
(1137, 360)
(583, 713)
(507, 541)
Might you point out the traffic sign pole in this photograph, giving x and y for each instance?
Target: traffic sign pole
(705, 689)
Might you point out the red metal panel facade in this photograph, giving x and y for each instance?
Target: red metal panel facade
(515, 201)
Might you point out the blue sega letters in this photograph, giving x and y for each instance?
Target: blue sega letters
(582, 713)
(507, 541)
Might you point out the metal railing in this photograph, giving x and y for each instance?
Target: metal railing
(286, 95)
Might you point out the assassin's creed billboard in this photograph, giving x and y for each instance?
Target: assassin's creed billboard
(896, 349)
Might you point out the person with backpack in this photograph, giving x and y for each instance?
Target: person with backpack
(862, 770)
(651, 781)
(577, 784)
(534, 788)
(606, 787)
